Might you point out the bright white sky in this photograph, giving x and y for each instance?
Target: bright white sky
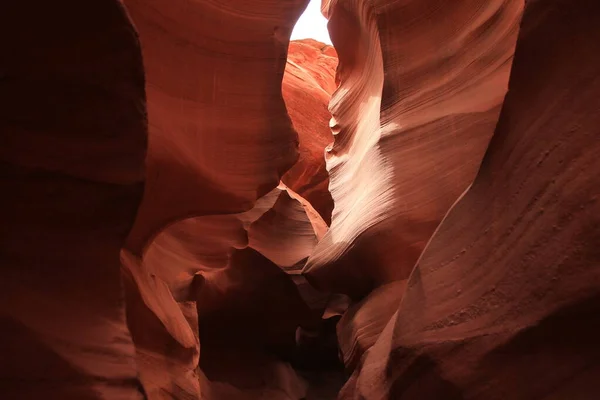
(312, 24)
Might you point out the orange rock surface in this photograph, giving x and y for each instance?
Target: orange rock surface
(219, 133)
(509, 281)
(213, 235)
(212, 225)
(217, 284)
(420, 221)
(503, 302)
(308, 83)
(412, 118)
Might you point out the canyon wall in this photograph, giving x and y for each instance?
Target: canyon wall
(461, 259)
(219, 133)
(212, 264)
(501, 301)
(218, 242)
(421, 87)
(308, 83)
(73, 134)
(219, 287)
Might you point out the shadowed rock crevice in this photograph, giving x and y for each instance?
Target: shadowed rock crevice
(195, 208)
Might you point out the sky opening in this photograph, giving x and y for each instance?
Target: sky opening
(312, 24)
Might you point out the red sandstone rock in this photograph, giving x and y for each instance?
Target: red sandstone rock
(73, 140)
(164, 330)
(412, 117)
(363, 322)
(220, 136)
(234, 270)
(503, 303)
(212, 141)
(313, 62)
(248, 313)
(290, 219)
(220, 139)
(308, 83)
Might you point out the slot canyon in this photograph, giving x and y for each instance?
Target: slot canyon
(194, 207)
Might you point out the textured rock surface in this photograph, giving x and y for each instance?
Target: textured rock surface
(72, 145)
(363, 322)
(227, 274)
(212, 226)
(412, 117)
(220, 136)
(503, 303)
(496, 298)
(308, 83)
(220, 140)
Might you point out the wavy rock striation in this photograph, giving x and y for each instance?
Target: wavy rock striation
(220, 136)
(445, 273)
(500, 303)
(215, 252)
(220, 286)
(205, 264)
(503, 302)
(412, 117)
(421, 86)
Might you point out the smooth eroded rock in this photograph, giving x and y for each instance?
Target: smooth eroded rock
(308, 83)
(73, 134)
(503, 303)
(421, 86)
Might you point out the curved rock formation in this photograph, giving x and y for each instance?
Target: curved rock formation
(73, 140)
(220, 140)
(308, 83)
(362, 322)
(412, 117)
(504, 301)
(206, 294)
(215, 109)
(219, 286)
(213, 234)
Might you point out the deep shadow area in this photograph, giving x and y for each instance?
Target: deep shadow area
(421, 380)
(50, 376)
(569, 336)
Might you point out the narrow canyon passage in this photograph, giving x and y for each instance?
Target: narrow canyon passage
(195, 206)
